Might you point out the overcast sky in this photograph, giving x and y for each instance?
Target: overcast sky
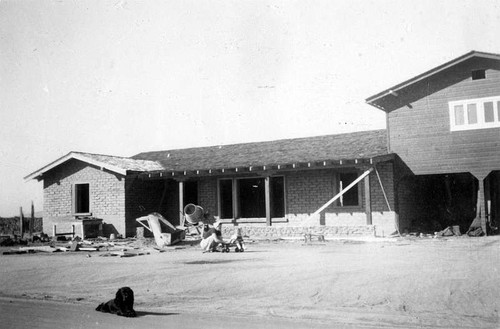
(122, 77)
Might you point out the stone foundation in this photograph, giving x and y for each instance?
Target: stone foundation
(275, 232)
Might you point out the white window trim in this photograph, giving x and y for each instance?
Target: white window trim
(481, 124)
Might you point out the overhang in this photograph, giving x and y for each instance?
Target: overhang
(394, 90)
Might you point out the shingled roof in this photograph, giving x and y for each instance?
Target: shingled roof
(116, 164)
(123, 162)
(357, 145)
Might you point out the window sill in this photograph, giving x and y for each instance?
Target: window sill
(253, 220)
(348, 208)
(82, 214)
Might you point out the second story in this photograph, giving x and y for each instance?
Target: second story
(447, 120)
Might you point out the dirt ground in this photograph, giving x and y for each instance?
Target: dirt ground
(445, 282)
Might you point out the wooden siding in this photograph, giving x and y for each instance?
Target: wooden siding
(419, 124)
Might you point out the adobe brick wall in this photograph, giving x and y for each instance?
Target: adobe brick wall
(107, 196)
(207, 195)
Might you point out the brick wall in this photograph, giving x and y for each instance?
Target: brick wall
(107, 196)
(207, 195)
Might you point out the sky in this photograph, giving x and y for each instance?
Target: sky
(123, 77)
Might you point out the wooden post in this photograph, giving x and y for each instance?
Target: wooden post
(268, 200)
(21, 224)
(32, 219)
(181, 202)
(368, 202)
(481, 204)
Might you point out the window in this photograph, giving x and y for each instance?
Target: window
(81, 198)
(351, 197)
(478, 74)
(246, 197)
(477, 113)
(252, 197)
(277, 187)
(489, 113)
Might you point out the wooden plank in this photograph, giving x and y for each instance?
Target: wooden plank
(88, 249)
(40, 248)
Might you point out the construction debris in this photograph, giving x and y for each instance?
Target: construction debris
(153, 222)
(450, 231)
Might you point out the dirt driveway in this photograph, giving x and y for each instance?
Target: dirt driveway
(446, 282)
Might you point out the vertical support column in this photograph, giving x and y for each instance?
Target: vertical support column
(32, 219)
(481, 204)
(368, 201)
(21, 222)
(181, 202)
(268, 200)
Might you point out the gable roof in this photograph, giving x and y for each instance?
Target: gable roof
(357, 145)
(372, 100)
(115, 164)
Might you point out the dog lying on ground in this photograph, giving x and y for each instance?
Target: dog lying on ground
(123, 304)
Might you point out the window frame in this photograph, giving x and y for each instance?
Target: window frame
(336, 189)
(74, 199)
(478, 74)
(236, 201)
(480, 114)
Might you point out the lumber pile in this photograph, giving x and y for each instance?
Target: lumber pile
(121, 248)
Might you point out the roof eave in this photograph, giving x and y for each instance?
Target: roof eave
(73, 155)
(299, 165)
(393, 90)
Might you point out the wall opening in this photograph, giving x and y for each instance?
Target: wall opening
(190, 192)
(492, 186)
(478, 74)
(430, 203)
(246, 197)
(252, 197)
(81, 202)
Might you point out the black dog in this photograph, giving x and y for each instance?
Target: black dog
(123, 304)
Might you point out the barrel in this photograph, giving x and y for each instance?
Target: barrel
(193, 213)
